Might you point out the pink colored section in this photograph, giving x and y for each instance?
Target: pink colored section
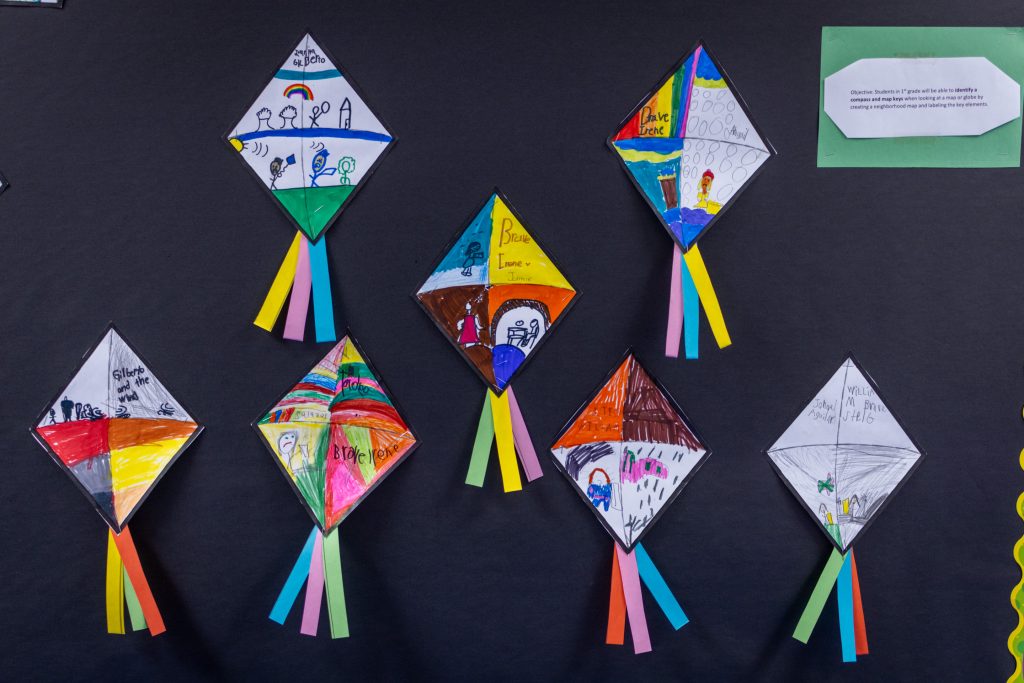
(674, 331)
(298, 305)
(689, 92)
(315, 588)
(634, 601)
(524, 444)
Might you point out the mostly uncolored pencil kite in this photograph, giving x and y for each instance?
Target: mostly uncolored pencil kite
(844, 458)
(628, 452)
(335, 435)
(496, 295)
(311, 141)
(690, 147)
(115, 430)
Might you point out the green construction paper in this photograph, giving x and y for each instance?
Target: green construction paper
(481, 445)
(138, 619)
(336, 609)
(844, 45)
(818, 597)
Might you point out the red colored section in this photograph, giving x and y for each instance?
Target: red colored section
(616, 634)
(76, 441)
(367, 413)
(860, 630)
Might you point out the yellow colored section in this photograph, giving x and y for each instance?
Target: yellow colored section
(515, 257)
(297, 445)
(705, 83)
(140, 465)
(708, 299)
(349, 354)
(632, 155)
(846, 506)
(115, 588)
(274, 302)
(506, 442)
(664, 105)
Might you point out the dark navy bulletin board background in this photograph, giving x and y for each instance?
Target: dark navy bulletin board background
(125, 205)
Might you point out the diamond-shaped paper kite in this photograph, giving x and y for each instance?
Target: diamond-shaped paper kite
(629, 451)
(844, 458)
(115, 429)
(311, 140)
(690, 147)
(336, 434)
(496, 295)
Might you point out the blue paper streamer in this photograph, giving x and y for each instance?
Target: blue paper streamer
(293, 585)
(651, 577)
(844, 592)
(691, 313)
(323, 307)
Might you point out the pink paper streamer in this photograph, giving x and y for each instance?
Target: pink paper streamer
(315, 588)
(634, 601)
(524, 444)
(298, 305)
(674, 332)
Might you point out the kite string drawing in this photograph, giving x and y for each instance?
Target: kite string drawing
(690, 147)
(335, 435)
(310, 140)
(496, 295)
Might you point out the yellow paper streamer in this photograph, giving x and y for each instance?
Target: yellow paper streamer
(278, 293)
(506, 443)
(708, 299)
(115, 588)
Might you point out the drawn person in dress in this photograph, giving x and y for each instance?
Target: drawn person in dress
(704, 188)
(469, 328)
(66, 406)
(473, 256)
(297, 458)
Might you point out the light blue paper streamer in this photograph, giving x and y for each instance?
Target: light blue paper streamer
(659, 589)
(691, 313)
(844, 592)
(323, 307)
(293, 585)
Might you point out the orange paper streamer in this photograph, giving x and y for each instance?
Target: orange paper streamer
(130, 558)
(616, 607)
(859, 629)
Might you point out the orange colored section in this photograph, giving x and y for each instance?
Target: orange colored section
(126, 499)
(555, 298)
(616, 606)
(601, 420)
(134, 431)
(860, 630)
(132, 565)
(388, 448)
(76, 441)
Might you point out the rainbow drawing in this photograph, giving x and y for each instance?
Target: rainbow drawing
(300, 89)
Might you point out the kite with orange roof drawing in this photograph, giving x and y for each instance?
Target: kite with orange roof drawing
(335, 435)
(496, 295)
(115, 430)
(690, 147)
(311, 141)
(628, 452)
(844, 458)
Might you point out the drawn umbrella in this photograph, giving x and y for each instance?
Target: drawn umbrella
(115, 430)
(844, 458)
(629, 451)
(690, 147)
(336, 435)
(311, 141)
(496, 295)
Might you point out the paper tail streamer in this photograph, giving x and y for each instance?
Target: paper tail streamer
(319, 567)
(126, 583)
(501, 420)
(303, 270)
(840, 571)
(690, 289)
(628, 570)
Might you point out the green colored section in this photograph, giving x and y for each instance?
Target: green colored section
(313, 207)
(844, 45)
(481, 445)
(311, 479)
(336, 608)
(818, 597)
(359, 439)
(138, 619)
(355, 381)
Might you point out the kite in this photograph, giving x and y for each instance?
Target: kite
(116, 430)
(844, 458)
(629, 451)
(335, 435)
(496, 295)
(311, 140)
(690, 147)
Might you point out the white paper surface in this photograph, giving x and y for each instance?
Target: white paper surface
(894, 98)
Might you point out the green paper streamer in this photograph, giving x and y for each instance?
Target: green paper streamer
(335, 587)
(818, 597)
(481, 445)
(135, 614)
